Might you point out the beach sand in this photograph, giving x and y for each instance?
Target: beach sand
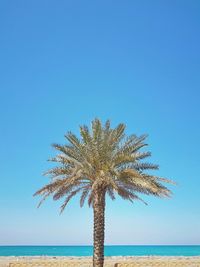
(146, 261)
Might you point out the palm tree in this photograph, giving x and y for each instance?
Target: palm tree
(103, 161)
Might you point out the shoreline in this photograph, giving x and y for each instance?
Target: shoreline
(90, 257)
(109, 260)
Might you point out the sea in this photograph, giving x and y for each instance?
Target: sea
(109, 250)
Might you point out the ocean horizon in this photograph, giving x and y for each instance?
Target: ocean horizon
(114, 250)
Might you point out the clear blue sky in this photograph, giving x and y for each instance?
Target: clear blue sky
(62, 63)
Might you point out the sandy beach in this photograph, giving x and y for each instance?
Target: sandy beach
(109, 261)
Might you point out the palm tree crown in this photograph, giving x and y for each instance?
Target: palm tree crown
(102, 159)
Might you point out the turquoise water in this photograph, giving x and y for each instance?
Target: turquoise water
(109, 250)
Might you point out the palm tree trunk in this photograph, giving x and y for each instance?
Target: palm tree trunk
(99, 226)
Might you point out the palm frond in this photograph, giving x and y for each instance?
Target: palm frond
(111, 193)
(74, 140)
(144, 166)
(68, 198)
(51, 187)
(96, 130)
(142, 155)
(84, 195)
(118, 134)
(90, 199)
(128, 195)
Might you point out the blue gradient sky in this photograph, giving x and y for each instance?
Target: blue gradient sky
(64, 63)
